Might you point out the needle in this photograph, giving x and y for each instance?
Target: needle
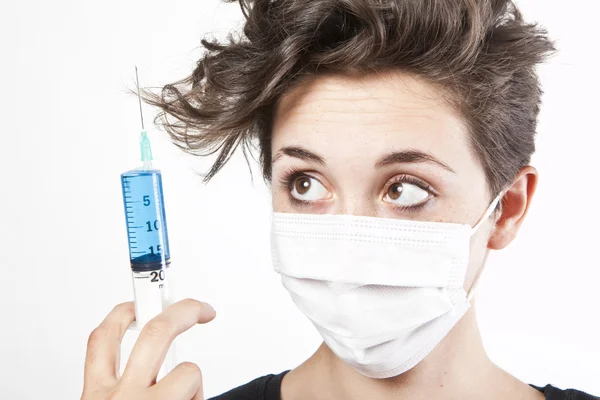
(139, 96)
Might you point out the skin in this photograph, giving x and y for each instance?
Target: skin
(336, 133)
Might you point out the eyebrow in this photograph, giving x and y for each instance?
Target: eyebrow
(397, 157)
(411, 156)
(298, 152)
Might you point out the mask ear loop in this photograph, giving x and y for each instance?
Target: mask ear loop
(475, 284)
(486, 215)
(491, 208)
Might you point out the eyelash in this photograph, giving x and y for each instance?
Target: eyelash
(288, 178)
(413, 181)
(286, 182)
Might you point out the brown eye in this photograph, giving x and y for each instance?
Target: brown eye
(395, 191)
(302, 185)
(307, 188)
(405, 194)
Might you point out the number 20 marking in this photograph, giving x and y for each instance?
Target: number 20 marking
(157, 276)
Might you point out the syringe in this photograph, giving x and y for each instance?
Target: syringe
(148, 241)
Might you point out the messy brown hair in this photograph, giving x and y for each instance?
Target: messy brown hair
(481, 54)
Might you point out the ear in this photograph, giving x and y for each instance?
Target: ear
(515, 204)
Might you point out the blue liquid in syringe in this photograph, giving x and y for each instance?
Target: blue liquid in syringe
(146, 222)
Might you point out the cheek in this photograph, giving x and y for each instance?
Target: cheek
(279, 200)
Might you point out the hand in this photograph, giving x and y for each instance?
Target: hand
(101, 377)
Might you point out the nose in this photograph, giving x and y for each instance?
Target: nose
(356, 204)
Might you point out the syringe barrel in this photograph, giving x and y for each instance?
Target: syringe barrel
(148, 248)
(152, 296)
(146, 220)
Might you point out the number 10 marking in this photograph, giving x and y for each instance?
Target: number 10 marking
(149, 225)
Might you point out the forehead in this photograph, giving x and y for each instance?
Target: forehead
(342, 116)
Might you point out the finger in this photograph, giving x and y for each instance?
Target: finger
(199, 394)
(155, 339)
(104, 343)
(183, 383)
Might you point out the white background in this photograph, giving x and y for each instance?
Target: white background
(69, 129)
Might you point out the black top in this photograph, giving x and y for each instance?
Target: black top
(269, 387)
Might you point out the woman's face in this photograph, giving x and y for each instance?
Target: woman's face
(382, 146)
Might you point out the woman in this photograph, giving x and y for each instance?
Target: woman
(396, 135)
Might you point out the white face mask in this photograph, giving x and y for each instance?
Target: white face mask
(381, 292)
